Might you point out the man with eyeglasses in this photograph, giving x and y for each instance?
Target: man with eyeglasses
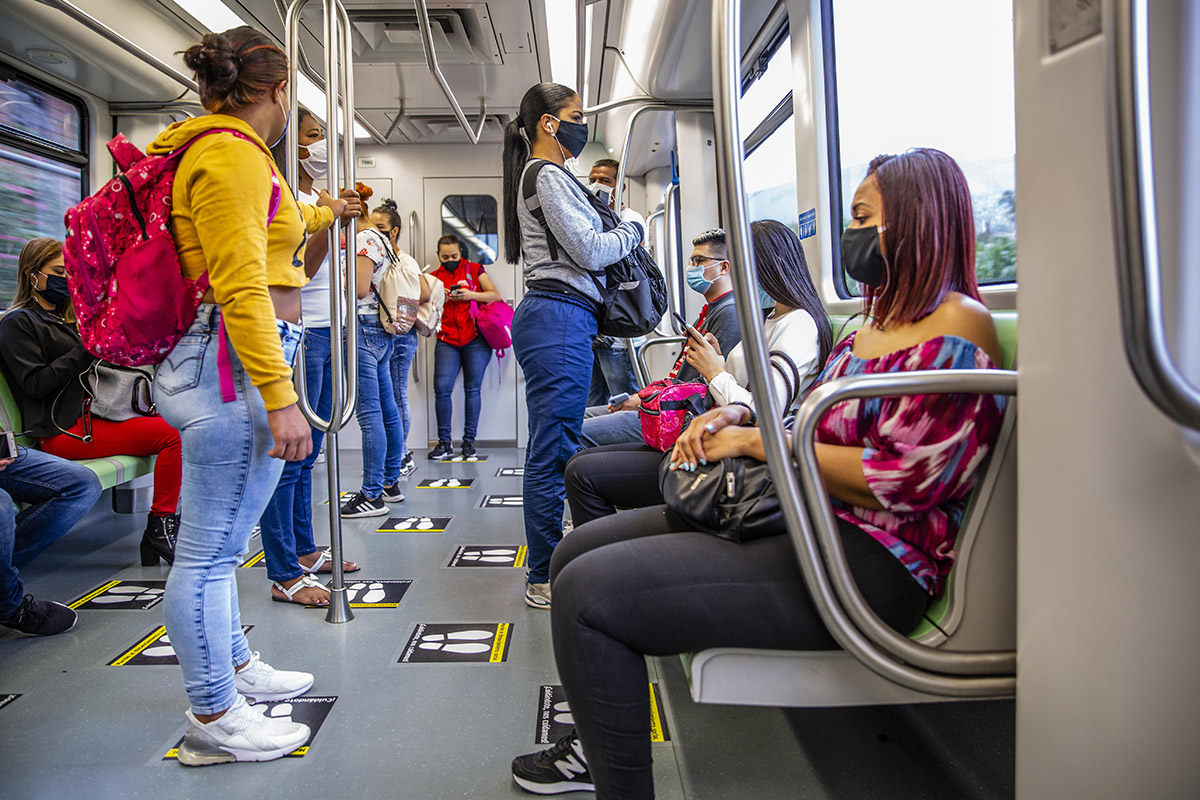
(707, 273)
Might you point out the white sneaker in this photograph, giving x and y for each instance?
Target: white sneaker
(243, 733)
(537, 595)
(261, 682)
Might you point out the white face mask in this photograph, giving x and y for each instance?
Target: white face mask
(317, 163)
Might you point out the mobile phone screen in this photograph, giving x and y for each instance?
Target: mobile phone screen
(8, 445)
(688, 328)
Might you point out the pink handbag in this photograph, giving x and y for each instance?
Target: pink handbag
(667, 407)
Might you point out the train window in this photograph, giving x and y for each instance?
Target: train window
(43, 163)
(940, 75)
(473, 219)
(765, 110)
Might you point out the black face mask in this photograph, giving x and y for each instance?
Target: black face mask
(861, 257)
(572, 135)
(452, 265)
(56, 290)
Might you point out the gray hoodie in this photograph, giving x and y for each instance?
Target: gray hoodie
(583, 245)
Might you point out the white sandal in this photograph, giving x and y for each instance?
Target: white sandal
(326, 557)
(305, 582)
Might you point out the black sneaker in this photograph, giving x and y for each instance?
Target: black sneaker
(359, 505)
(442, 451)
(560, 769)
(468, 449)
(392, 494)
(408, 466)
(41, 618)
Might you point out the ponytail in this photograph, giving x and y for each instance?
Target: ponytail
(519, 134)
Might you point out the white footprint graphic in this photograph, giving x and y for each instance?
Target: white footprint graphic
(374, 594)
(464, 648)
(159, 651)
(446, 483)
(415, 524)
(565, 719)
(506, 501)
(119, 594)
(488, 558)
(282, 711)
(463, 642)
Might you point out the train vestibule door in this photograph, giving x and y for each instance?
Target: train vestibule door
(470, 208)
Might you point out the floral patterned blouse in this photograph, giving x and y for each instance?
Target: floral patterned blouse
(920, 453)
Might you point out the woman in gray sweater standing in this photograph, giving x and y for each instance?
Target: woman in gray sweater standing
(556, 321)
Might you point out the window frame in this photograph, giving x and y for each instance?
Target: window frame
(20, 140)
(999, 291)
(756, 68)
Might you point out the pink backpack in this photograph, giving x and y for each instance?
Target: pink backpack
(492, 320)
(131, 299)
(667, 406)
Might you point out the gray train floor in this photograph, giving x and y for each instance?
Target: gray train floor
(422, 730)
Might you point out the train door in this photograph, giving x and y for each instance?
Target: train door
(470, 209)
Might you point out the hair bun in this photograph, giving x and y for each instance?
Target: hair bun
(215, 63)
(388, 202)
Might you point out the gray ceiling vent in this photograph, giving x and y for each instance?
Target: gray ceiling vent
(444, 127)
(461, 35)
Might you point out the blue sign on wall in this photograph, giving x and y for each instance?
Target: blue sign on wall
(808, 223)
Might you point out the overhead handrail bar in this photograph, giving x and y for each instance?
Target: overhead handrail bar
(661, 105)
(731, 191)
(436, 71)
(820, 510)
(689, 104)
(643, 368)
(342, 286)
(1135, 216)
(141, 109)
(96, 26)
(400, 112)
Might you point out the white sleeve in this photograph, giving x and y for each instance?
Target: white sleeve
(794, 334)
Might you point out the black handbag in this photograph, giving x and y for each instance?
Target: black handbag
(733, 498)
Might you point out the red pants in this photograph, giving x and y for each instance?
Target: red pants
(141, 436)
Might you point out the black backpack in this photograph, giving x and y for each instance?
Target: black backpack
(633, 293)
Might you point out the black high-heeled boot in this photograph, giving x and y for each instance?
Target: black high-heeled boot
(159, 539)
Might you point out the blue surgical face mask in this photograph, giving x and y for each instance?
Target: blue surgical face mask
(696, 280)
(765, 299)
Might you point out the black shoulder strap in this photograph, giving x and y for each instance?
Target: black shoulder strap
(387, 246)
(534, 205)
(793, 382)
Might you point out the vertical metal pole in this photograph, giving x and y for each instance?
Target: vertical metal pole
(581, 46)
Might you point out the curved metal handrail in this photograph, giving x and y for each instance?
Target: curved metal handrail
(640, 355)
(820, 511)
(342, 287)
(1135, 217)
(731, 191)
(436, 71)
(659, 105)
(674, 255)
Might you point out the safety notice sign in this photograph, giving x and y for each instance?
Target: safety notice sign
(457, 643)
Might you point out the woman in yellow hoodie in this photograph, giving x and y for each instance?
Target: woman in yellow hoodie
(227, 385)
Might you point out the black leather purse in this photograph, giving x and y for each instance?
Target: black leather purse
(733, 498)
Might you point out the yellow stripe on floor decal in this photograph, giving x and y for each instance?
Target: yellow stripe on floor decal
(154, 636)
(94, 594)
(522, 551)
(656, 728)
(498, 645)
(259, 556)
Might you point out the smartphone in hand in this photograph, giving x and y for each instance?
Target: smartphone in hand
(617, 399)
(695, 334)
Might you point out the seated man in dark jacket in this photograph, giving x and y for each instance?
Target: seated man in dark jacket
(707, 273)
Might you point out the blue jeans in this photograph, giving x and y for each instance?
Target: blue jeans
(287, 531)
(377, 415)
(552, 340)
(228, 479)
(404, 350)
(612, 373)
(59, 493)
(473, 358)
(601, 427)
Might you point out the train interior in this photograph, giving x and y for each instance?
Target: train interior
(1081, 585)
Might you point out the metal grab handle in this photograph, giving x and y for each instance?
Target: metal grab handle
(646, 345)
(820, 511)
(731, 191)
(436, 71)
(1135, 217)
(342, 287)
(691, 105)
(414, 222)
(674, 253)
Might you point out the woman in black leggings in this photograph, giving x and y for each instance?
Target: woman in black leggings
(899, 470)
